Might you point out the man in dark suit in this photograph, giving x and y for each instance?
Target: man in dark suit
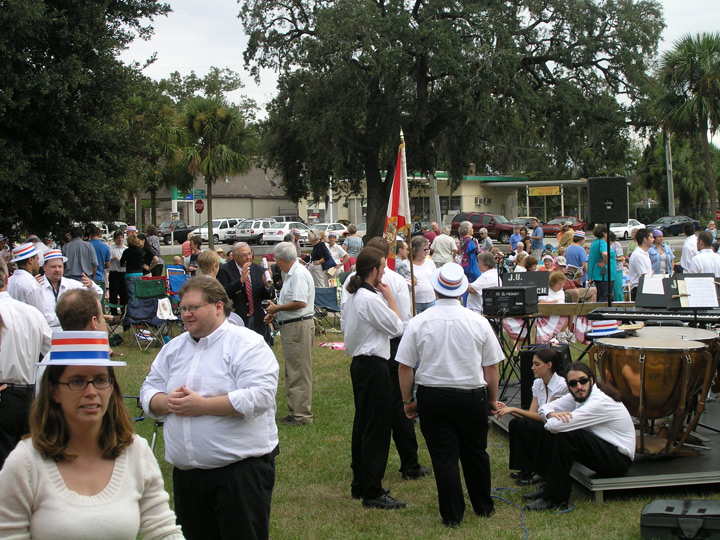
(247, 297)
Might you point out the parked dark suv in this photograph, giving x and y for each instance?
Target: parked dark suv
(498, 227)
(180, 231)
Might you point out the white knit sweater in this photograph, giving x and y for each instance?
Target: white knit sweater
(35, 503)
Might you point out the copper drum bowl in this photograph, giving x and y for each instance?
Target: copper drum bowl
(674, 371)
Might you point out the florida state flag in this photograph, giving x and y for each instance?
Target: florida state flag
(398, 212)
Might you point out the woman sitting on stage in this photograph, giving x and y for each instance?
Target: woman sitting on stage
(526, 427)
(546, 328)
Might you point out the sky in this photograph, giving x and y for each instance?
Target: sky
(199, 35)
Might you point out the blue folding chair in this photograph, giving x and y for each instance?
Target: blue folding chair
(327, 309)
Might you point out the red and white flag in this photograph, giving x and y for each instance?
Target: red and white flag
(398, 212)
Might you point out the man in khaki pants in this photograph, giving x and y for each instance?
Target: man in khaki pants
(294, 314)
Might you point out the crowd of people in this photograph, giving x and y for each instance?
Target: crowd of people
(215, 385)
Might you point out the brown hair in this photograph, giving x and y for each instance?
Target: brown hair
(151, 230)
(556, 277)
(133, 240)
(211, 290)
(530, 262)
(378, 242)
(76, 308)
(51, 434)
(369, 259)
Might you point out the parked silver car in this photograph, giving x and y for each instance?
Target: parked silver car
(251, 231)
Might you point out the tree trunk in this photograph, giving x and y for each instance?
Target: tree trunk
(209, 182)
(153, 204)
(709, 177)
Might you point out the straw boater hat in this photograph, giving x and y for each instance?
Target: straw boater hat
(332, 233)
(54, 254)
(579, 234)
(24, 251)
(79, 348)
(449, 280)
(131, 228)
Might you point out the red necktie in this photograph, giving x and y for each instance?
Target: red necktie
(248, 292)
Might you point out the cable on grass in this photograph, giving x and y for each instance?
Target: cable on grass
(522, 510)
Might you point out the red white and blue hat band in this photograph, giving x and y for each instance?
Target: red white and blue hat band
(54, 254)
(86, 348)
(24, 251)
(449, 280)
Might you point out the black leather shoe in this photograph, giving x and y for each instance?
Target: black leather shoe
(517, 475)
(535, 494)
(542, 504)
(358, 495)
(385, 502)
(414, 474)
(534, 479)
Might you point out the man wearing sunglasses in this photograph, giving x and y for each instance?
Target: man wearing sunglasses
(589, 425)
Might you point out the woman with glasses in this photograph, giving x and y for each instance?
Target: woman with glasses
(82, 473)
(423, 268)
(527, 425)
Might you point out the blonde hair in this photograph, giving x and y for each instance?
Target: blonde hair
(207, 262)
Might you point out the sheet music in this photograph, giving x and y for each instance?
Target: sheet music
(701, 292)
(653, 284)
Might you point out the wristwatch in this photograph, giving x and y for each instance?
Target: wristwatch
(409, 401)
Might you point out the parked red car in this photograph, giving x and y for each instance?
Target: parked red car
(553, 226)
(498, 227)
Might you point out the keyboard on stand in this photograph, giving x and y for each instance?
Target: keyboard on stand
(707, 316)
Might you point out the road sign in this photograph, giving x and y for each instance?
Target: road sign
(199, 193)
(199, 206)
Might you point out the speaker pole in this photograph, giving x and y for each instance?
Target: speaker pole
(609, 269)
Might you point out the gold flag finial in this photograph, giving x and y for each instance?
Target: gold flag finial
(402, 136)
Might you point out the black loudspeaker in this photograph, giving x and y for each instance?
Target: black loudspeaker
(607, 200)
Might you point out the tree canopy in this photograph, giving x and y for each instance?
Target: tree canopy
(64, 131)
(688, 102)
(515, 87)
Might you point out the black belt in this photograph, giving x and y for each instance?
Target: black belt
(481, 389)
(305, 318)
(19, 386)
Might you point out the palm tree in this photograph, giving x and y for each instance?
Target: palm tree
(689, 100)
(216, 143)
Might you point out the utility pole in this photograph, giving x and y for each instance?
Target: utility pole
(668, 167)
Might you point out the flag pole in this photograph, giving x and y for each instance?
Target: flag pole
(408, 234)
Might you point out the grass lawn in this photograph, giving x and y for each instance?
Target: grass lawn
(312, 490)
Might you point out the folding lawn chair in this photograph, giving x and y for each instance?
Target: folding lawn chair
(327, 309)
(176, 277)
(150, 314)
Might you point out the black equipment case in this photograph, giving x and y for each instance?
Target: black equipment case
(685, 519)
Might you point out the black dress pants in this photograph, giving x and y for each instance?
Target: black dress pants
(529, 450)
(372, 393)
(118, 290)
(403, 429)
(455, 426)
(14, 413)
(584, 447)
(228, 502)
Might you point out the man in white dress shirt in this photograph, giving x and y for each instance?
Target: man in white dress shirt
(369, 324)
(23, 286)
(403, 429)
(457, 377)
(54, 284)
(706, 261)
(587, 425)
(689, 249)
(294, 313)
(487, 280)
(214, 386)
(640, 263)
(25, 340)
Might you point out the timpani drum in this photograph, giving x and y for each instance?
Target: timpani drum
(658, 377)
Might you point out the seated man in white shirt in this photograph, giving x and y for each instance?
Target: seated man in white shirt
(215, 386)
(588, 425)
(488, 279)
(706, 261)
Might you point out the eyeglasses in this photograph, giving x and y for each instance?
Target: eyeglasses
(583, 381)
(101, 383)
(245, 255)
(426, 249)
(191, 309)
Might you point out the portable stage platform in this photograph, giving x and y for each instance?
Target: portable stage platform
(653, 471)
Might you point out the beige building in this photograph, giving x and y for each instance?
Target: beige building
(256, 194)
(505, 195)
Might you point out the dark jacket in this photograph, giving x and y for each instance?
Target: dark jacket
(229, 278)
